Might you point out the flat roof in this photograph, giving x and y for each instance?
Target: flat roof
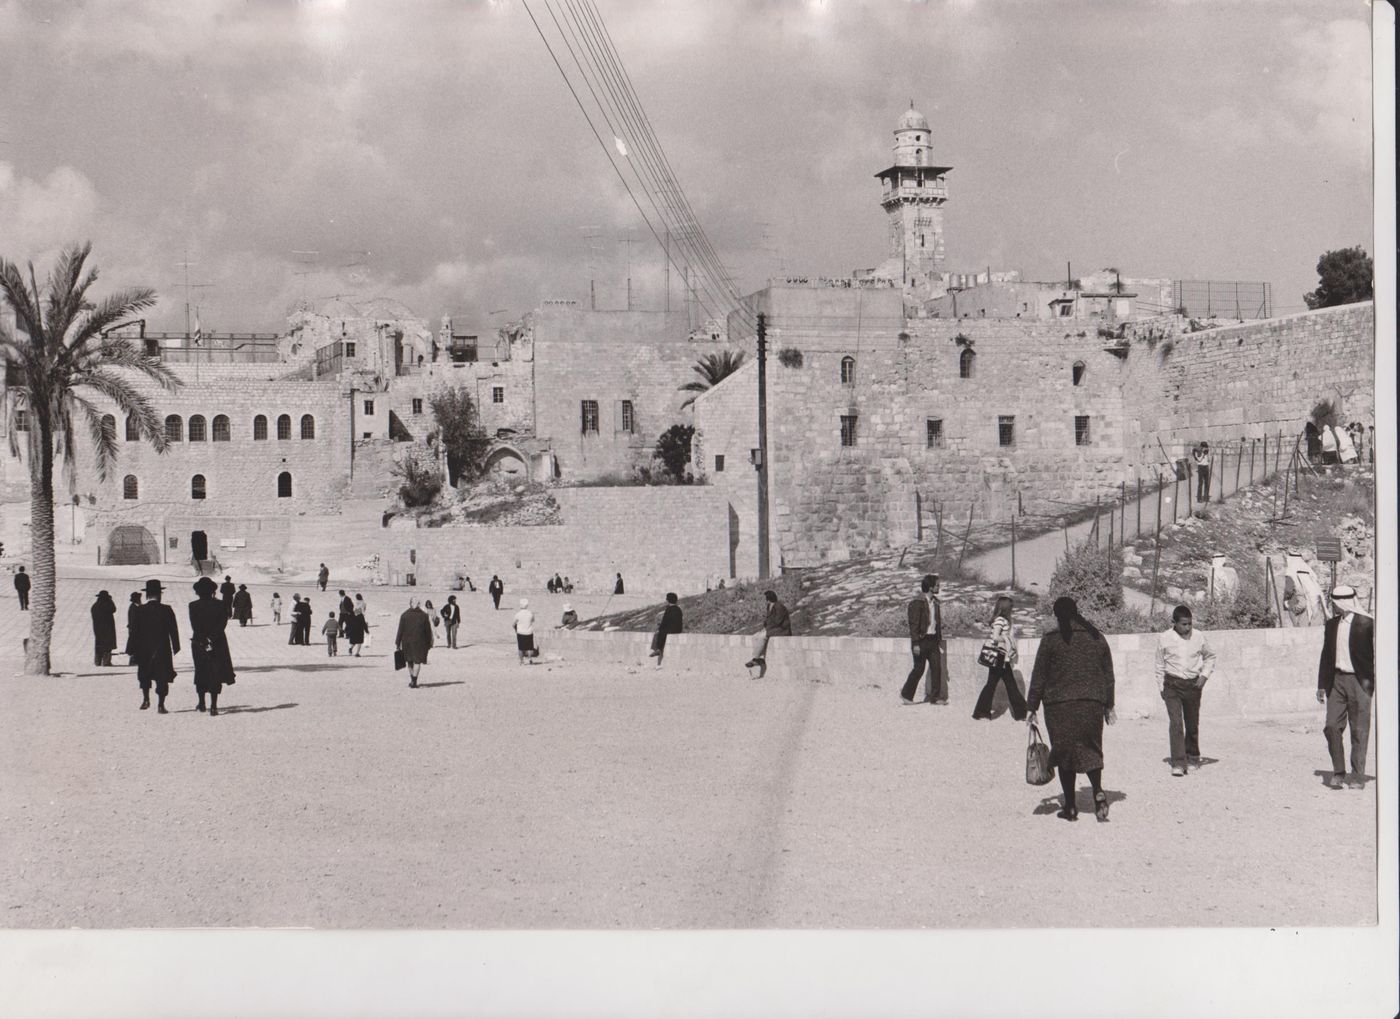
(937, 171)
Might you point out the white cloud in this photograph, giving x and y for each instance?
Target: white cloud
(1330, 83)
(38, 217)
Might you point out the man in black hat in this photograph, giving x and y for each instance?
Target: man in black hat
(22, 589)
(213, 665)
(156, 641)
(1346, 681)
(227, 591)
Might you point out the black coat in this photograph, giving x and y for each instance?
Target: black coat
(618, 588)
(1080, 669)
(21, 582)
(157, 640)
(355, 627)
(131, 610)
(415, 636)
(242, 606)
(104, 625)
(1362, 646)
(670, 620)
(213, 665)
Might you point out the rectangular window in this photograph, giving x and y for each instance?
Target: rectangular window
(369, 407)
(848, 429)
(1081, 429)
(629, 419)
(1066, 310)
(498, 394)
(349, 350)
(1006, 430)
(588, 414)
(417, 406)
(21, 420)
(933, 431)
(719, 463)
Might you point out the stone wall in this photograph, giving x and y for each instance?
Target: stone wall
(658, 538)
(480, 379)
(830, 500)
(1258, 672)
(642, 357)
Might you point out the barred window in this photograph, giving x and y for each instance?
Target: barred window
(848, 371)
(965, 363)
(284, 426)
(131, 488)
(133, 430)
(417, 406)
(1081, 429)
(174, 428)
(588, 414)
(1006, 430)
(222, 432)
(198, 431)
(933, 432)
(260, 427)
(498, 394)
(848, 429)
(197, 487)
(629, 417)
(308, 426)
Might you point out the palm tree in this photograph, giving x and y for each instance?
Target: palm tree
(712, 369)
(56, 360)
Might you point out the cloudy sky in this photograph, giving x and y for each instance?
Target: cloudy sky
(430, 151)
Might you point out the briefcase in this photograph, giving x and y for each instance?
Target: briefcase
(399, 660)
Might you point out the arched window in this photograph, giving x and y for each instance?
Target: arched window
(284, 426)
(1076, 373)
(221, 428)
(260, 427)
(133, 430)
(174, 428)
(197, 429)
(308, 426)
(130, 487)
(965, 360)
(197, 487)
(109, 425)
(848, 371)
(284, 485)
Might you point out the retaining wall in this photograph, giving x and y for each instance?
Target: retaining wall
(1258, 672)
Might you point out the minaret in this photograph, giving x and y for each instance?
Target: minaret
(914, 195)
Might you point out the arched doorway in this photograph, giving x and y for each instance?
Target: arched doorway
(132, 545)
(507, 462)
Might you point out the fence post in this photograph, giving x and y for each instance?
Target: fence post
(938, 522)
(1251, 462)
(1220, 462)
(1239, 459)
(1278, 449)
(1286, 484)
(1191, 483)
(1122, 512)
(1265, 459)
(1156, 560)
(1095, 529)
(1176, 494)
(1270, 582)
(966, 534)
(1110, 526)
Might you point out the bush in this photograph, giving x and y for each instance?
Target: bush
(790, 357)
(1093, 577)
(1246, 609)
(673, 449)
(420, 484)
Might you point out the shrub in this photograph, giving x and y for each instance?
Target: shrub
(673, 449)
(420, 484)
(466, 442)
(1246, 609)
(1093, 577)
(790, 357)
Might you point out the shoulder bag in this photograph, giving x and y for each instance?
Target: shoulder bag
(1038, 770)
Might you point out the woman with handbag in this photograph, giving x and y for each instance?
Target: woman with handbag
(1073, 676)
(998, 654)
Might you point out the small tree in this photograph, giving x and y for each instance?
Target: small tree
(1343, 277)
(419, 484)
(463, 439)
(712, 369)
(673, 449)
(1092, 576)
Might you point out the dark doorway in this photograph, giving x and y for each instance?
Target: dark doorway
(199, 545)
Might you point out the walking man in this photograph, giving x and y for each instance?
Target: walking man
(1184, 661)
(776, 623)
(347, 609)
(670, 622)
(323, 577)
(1346, 681)
(414, 639)
(496, 589)
(451, 619)
(925, 643)
(227, 591)
(213, 664)
(302, 613)
(22, 589)
(156, 641)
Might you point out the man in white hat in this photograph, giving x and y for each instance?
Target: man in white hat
(1346, 681)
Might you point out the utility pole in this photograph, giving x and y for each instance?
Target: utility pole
(762, 455)
(666, 265)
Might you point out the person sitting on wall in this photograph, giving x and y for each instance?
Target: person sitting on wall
(558, 584)
(570, 617)
(568, 586)
(549, 585)
(670, 622)
(618, 587)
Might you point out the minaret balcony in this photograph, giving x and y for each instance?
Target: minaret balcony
(932, 190)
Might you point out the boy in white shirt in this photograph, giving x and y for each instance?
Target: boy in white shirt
(1184, 661)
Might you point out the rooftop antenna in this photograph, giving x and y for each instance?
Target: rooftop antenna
(185, 265)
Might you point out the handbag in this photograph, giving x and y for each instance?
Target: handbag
(991, 655)
(1038, 770)
(399, 661)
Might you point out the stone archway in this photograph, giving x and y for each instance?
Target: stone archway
(132, 545)
(507, 462)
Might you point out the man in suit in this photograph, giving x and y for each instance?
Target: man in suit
(1346, 681)
(925, 642)
(347, 609)
(495, 589)
(227, 590)
(451, 619)
(22, 589)
(156, 641)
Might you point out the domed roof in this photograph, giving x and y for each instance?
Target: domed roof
(912, 120)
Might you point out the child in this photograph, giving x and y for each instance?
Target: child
(331, 629)
(276, 608)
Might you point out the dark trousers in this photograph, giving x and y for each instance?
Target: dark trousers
(1203, 484)
(1183, 698)
(1348, 704)
(495, 599)
(23, 600)
(1000, 674)
(928, 654)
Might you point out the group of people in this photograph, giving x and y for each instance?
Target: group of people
(153, 641)
(1073, 679)
(559, 585)
(1333, 444)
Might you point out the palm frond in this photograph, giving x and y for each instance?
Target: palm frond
(104, 438)
(67, 295)
(17, 296)
(132, 402)
(111, 310)
(118, 352)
